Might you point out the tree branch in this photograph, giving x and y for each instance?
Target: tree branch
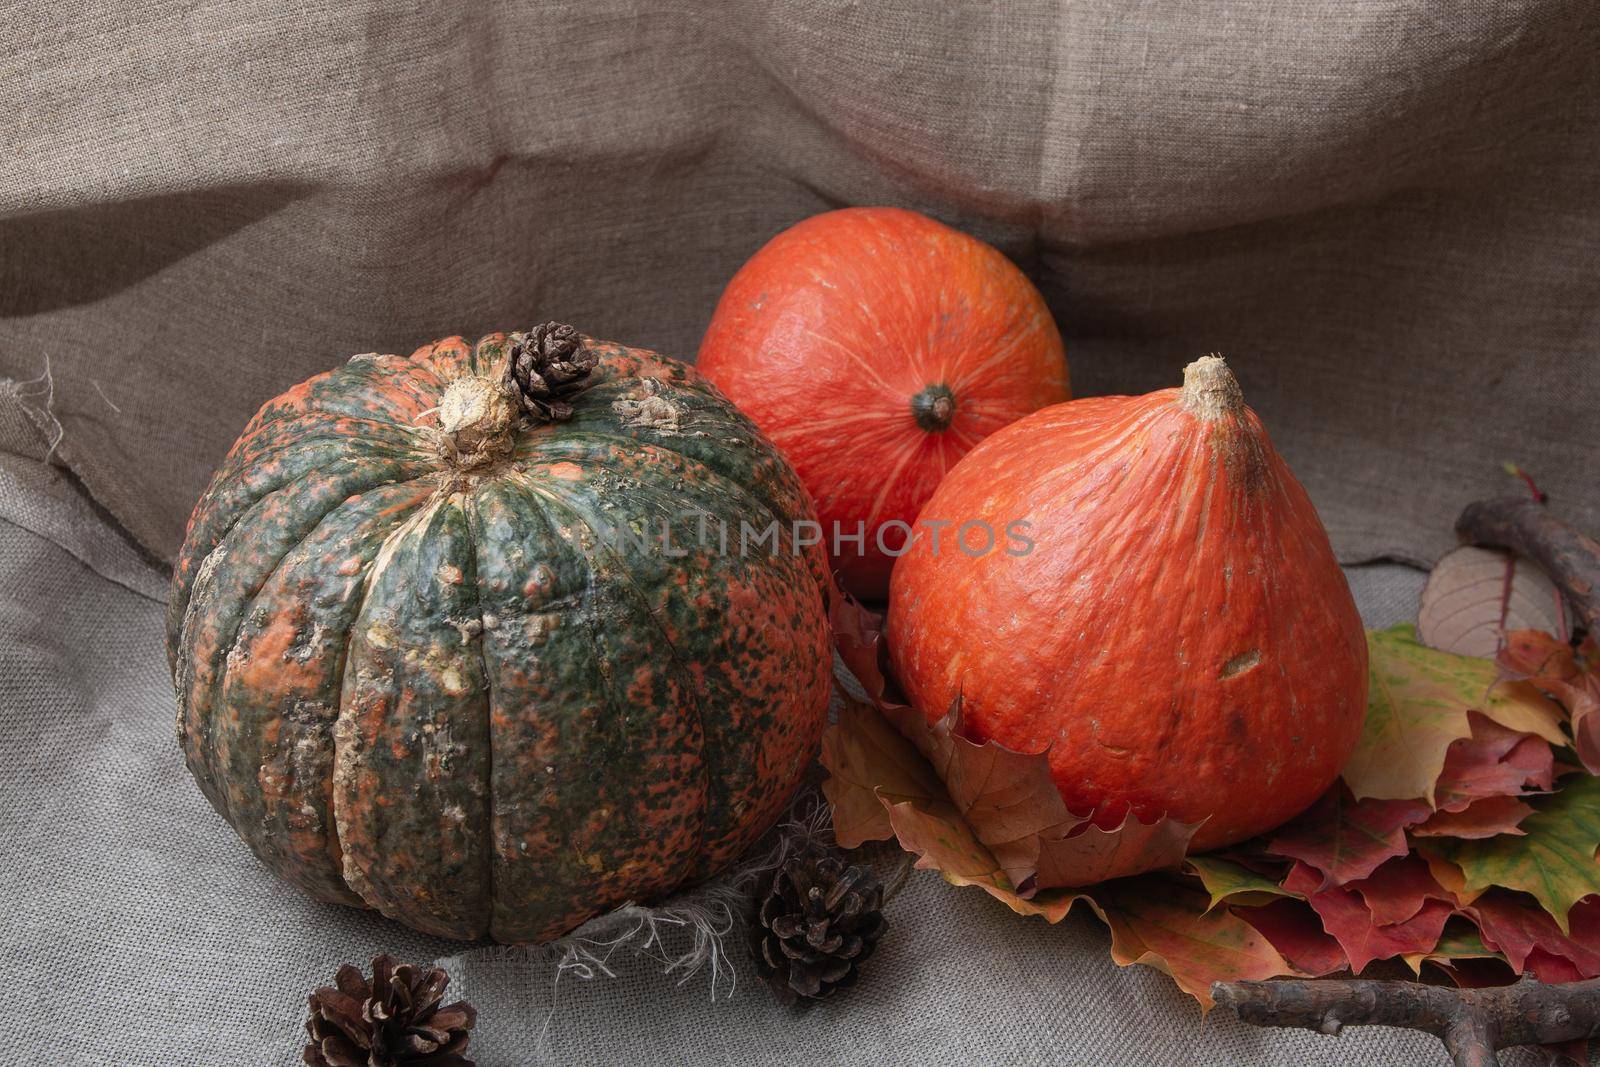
(1472, 1023)
(1568, 556)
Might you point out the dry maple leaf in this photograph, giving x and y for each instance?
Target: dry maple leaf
(1441, 811)
(1090, 854)
(858, 636)
(1485, 817)
(1572, 677)
(1517, 930)
(1554, 860)
(1228, 882)
(1008, 798)
(870, 768)
(1459, 941)
(1536, 656)
(1493, 762)
(1346, 916)
(1417, 706)
(1399, 889)
(1165, 924)
(1296, 932)
(1005, 801)
(1345, 839)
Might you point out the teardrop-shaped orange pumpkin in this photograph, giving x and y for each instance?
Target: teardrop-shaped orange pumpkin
(875, 346)
(1170, 623)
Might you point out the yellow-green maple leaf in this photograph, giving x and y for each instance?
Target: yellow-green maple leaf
(1230, 882)
(1460, 941)
(1417, 704)
(1554, 859)
(1171, 927)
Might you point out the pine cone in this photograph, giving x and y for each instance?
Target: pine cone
(816, 920)
(548, 364)
(392, 1021)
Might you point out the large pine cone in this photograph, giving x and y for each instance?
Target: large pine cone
(549, 363)
(817, 919)
(393, 1021)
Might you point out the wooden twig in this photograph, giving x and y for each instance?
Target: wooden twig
(1472, 1023)
(1566, 554)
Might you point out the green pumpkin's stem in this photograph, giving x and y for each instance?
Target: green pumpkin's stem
(934, 408)
(477, 421)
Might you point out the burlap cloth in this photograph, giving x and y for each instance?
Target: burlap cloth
(1384, 212)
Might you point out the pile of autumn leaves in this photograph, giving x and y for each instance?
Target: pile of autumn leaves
(1462, 836)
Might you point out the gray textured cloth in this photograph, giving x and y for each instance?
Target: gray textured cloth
(138, 930)
(1384, 211)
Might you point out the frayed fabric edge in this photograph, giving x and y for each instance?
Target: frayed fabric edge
(695, 932)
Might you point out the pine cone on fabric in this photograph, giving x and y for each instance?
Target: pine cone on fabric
(817, 918)
(395, 1020)
(549, 363)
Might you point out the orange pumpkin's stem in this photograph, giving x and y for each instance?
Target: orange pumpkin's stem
(934, 408)
(1210, 390)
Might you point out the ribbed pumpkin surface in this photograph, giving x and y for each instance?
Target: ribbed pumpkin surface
(1180, 638)
(444, 694)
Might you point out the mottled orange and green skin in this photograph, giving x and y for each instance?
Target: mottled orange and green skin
(441, 693)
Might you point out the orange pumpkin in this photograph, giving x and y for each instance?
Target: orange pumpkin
(875, 346)
(1179, 637)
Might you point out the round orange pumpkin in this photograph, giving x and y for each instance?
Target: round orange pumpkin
(875, 346)
(1180, 637)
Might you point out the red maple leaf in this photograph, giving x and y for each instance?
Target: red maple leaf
(1493, 762)
(1572, 677)
(1399, 889)
(1291, 927)
(1345, 915)
(1346, 839)
(1484, 817)
(1530, 939)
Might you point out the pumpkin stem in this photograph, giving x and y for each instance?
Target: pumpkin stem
(1210, 390)
(477, 421)
(934, 408)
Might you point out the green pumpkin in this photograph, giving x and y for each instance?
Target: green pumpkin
(474, 637)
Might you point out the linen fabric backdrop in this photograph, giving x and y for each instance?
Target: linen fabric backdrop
(1385, 213)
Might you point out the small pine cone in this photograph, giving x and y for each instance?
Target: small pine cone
(549, 363)
(395, 1020)
(817, 918)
